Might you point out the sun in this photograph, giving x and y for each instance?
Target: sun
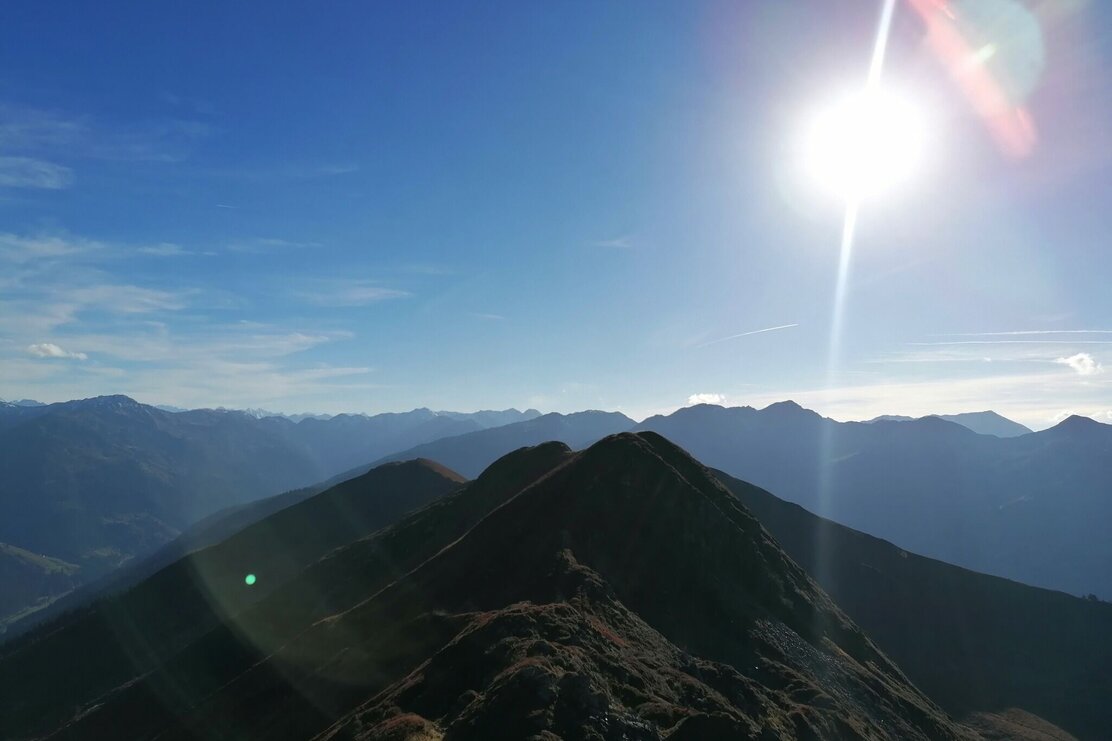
(865, 144)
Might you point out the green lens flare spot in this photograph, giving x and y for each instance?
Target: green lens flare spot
(249, 580)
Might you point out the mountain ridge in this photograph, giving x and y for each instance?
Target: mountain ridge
(580, 598)
(1026, 507)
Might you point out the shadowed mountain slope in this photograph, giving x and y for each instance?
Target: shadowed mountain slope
(619, 592)
(970, 641)
(31, 579)
(118, 638)
(100, 482)
(1034, 508)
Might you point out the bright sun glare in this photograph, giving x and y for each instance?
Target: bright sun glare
(865, 144)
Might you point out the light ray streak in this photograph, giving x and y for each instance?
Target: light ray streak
(845, 255)
(853, 200)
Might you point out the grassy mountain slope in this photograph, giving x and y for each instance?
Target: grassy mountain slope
(615, 591)
(970, 641)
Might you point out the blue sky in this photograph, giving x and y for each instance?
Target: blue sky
(364, 207)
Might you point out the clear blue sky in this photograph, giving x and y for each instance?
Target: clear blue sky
(370, 206)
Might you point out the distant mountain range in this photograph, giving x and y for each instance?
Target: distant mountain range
(983, 423)
(1034, 508)
(620, 592)
(22, 403)
(90, 485)
(471, 453)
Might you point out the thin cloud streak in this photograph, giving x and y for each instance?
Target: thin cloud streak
(623, 242)
(746, 334)
(1024, 332)
(1011, 342)
(27, 172)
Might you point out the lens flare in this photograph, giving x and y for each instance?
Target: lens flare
(994, 52)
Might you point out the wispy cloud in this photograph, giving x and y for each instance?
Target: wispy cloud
(290, 171)
(127, 299)
(266, 244)
(22, 249)
(238, 342)
(196, 105)
(747, 334)
(28, 130)
(348, 293)
(1011, 342)
(1083, 363)
(27, 172)
(488, 317)
(25, 128)
(163, 249)
(623, 242)
(50, 350)
(1025, 332)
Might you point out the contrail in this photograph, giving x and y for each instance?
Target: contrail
(746, 334)
(1024, 332)
(1011, 342)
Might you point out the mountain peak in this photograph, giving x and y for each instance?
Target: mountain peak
(1078, 423)
(789, 409)
(110, 402)
(629, 544)
(426, 464)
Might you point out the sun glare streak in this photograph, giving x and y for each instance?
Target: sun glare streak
(853, 198)
(845, 255)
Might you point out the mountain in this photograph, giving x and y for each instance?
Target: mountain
(99, 482)
(23, 403)
(31, 580)
(619, 592)
(13, 413)
(1034, 508)
(494, 418)
(119, 637)
(94, 482)
(983, 423)
(970, 641)
(471, 453)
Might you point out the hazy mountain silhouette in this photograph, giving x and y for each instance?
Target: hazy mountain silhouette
(97, 482)
(471, 453)
(619, 592)
(1034, 508)
(970, 641)
(983, 423)
(22, 403)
